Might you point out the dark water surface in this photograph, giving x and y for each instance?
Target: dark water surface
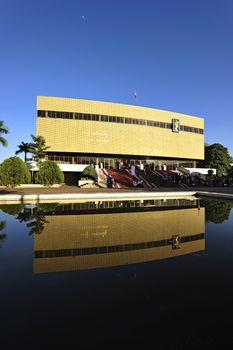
(117, 275)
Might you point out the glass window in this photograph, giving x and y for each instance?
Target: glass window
(95, 117)
(50, 114)
(115, 119)
(40, 113)
(87, 117)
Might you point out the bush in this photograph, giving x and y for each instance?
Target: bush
(91, 173)
(13, 172)
(49, 174)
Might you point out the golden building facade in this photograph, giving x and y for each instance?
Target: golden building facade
(75, 128)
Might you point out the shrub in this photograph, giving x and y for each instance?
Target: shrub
(49, 174)
(90, 172)
(13, 172)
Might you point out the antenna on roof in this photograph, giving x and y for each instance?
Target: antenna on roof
(135, 95)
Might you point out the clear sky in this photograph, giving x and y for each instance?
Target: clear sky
(177, 54)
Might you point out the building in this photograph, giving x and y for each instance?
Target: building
(80, 132)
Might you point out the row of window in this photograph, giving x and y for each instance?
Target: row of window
(64, 159)
(125, 204)
(111, 249)
(114, 119)
(111, 162)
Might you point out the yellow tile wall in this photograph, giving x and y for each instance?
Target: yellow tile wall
(66, 135)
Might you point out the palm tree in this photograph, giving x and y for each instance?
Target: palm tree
(39, 147)
(3, 130)
(26, 148)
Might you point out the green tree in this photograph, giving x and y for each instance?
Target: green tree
(26, 148)
(3, 130)
(230, 171)
(49, 174)
(217, 157)
(90, 172)
(13, 172)
(38, 147)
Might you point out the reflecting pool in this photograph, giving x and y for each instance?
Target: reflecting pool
(121, 273)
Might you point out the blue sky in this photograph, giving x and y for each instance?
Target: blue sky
(177, 54)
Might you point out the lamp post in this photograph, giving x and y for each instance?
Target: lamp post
(32, 167)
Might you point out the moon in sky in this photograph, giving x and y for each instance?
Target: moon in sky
(83, 17)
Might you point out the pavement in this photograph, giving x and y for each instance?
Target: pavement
(72, 192)
(75, 189)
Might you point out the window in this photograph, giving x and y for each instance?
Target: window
(116, 119)
(40, 113)
(51, 114)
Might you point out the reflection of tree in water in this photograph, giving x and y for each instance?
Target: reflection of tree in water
(2, 236)
(37, 225)
(217, 211)
(11, 209)
(36, 217)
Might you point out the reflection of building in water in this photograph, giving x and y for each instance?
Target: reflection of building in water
(84, 241)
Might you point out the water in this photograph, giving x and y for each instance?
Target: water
(117, 274)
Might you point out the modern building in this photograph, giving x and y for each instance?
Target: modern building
(80, 132)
